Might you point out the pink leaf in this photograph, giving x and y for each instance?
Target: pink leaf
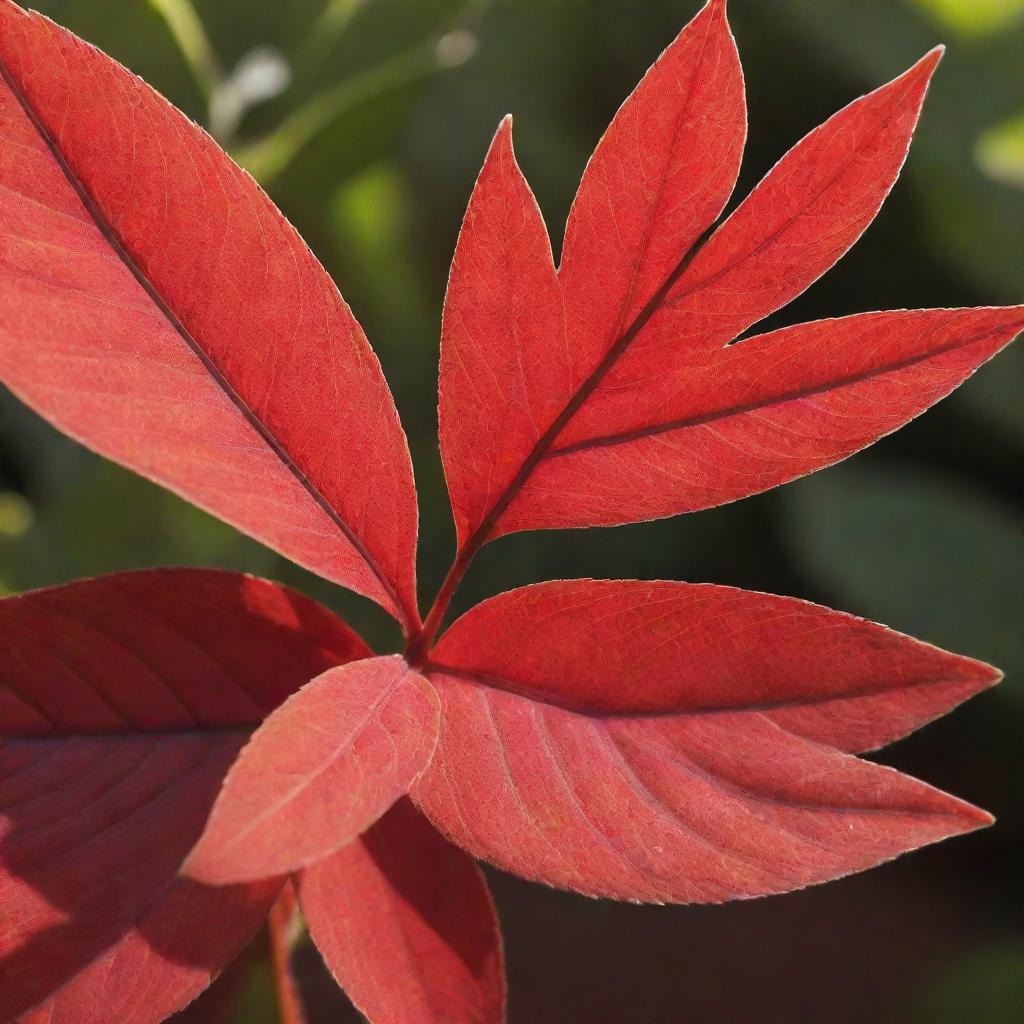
(670, 742)
(319, 771)
(406, 925)
(123, 701)
(157, 307)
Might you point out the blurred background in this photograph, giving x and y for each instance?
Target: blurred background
(367, 120)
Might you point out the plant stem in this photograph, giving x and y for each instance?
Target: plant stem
(186, 27)
(420, 643)
(268, 158)
(281, 927)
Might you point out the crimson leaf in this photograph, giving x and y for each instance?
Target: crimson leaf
(605, 392)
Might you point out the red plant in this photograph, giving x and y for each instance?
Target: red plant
(178, 743)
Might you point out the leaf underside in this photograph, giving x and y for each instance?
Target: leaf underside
(406, 925)
(123, 702)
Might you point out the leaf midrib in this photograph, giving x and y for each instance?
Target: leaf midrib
(740, 409)
(547, 696)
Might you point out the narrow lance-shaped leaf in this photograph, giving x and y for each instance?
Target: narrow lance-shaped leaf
(624, 402)
(504, 351)
(659, 177)
(669, 742)
(156, 306)
(766, 411)
(123, 701)
(319, 771)
(406, 925)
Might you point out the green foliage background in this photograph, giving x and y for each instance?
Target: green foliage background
(371, 150)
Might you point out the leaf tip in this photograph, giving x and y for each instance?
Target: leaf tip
(963, 817)
(974, 818)
(713, 10)
(504, 132)
(989, 675)
(198, 866)
(980, 674)
(1016, 324)
(193, 871)
(925, 67)
(501, 145)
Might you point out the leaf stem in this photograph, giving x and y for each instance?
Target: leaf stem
(420, 642)
(281, 928)
(185, 25)
(268, 158)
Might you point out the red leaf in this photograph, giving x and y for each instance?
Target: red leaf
(806, 213)
(407, 927)
(121, 704)
(157, 307)
(645, 741)
(658, 179)
(319, 771)
(503, 341)
(629, 405)
(666, 742)
(761, 413)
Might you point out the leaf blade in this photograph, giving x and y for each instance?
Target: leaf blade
(406, 925)
(803, 216)
(120, 932)
(657, 180)
(502, 332)
(759, 414)
(319, 771)
(215, 354)
(608, 426)
(160, 650)
(518, 364)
